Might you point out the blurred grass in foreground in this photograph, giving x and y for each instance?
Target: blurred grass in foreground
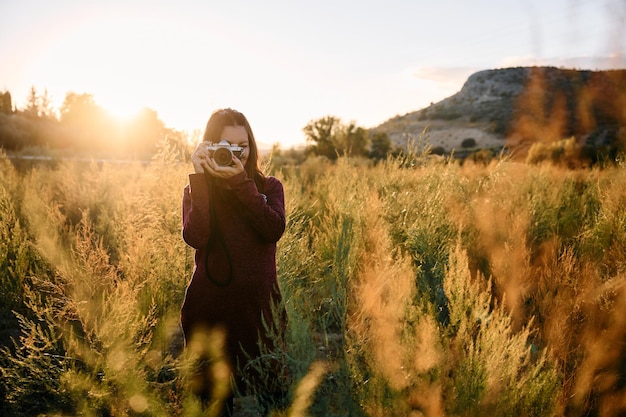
(413, 287)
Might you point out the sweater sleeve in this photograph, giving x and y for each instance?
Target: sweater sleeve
(264, 212)
(196, 212)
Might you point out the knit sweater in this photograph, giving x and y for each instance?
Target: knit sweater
(234, 229)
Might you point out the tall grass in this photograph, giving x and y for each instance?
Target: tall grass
(413, 288)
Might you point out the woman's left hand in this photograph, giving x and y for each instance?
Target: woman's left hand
(220, 171)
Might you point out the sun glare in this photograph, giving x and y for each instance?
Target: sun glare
(140, 65)
(122, 114)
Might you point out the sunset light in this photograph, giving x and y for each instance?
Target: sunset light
(330, 208)
(286, 64)
(120, 109)
(126, 64)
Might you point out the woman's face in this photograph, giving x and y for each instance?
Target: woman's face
(237, 135)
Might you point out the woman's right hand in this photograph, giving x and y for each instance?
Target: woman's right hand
(200, 158)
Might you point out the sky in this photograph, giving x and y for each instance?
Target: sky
(284, 63)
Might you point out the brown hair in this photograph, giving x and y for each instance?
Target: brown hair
(228, 117)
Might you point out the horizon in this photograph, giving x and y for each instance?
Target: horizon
(286, 65)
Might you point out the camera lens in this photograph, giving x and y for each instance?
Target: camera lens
(223, 156)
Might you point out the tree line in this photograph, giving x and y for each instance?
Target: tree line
(80, 126)
(331, 138)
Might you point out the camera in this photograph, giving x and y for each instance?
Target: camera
(222, 152)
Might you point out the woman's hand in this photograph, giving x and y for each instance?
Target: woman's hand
(219, 171)
(199, 158)
(202, 162)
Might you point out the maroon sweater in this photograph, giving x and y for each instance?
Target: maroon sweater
(234, 283)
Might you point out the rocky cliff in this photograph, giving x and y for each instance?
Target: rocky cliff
(515, 107)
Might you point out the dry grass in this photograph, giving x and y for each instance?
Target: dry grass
(413, 288)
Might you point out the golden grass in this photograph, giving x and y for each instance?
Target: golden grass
(413, 288)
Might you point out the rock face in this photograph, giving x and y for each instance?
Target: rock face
(517, 106)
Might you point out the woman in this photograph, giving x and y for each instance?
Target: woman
(233, 215)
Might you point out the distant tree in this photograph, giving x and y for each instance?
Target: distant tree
(45, 108)
(16, 131)
(39, 105)
(280, 158)
(322, 136)
(32, 104)
(352, 140)
(329, 137)
(32, 126)
(146, 131)
(297, 155)
(380, 146)
(438, 150)
(90, 126)
(80, 109)
(6, 104)
(468, 143)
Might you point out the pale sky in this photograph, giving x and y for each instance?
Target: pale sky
(284, 63)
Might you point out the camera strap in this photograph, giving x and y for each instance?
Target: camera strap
(216, 238)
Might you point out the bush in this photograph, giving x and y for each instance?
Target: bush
(468, 143)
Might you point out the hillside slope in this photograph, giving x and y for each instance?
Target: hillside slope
(515, 107)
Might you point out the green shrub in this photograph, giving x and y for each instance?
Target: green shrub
(468, 143)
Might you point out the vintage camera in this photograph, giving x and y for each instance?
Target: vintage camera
(223, 152)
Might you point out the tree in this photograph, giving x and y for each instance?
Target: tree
(90, 126)
(380, 146)
(146, 130)
(80, 109)
(45, 109)
(6, 104)
(39, 105)
(32, 104)
(352, 140)
(331, 138)
(468, 143)
(322, 134)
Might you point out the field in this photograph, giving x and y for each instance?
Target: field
(413, 287)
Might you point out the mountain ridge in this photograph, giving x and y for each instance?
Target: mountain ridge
(515, 107)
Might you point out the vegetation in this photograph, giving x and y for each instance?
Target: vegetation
(413, 287)
(81, 127)
(330, 138)
(527, 105)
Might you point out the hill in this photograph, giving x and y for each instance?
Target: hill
(513, 108)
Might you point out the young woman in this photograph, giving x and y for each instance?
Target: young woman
(233, 215)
